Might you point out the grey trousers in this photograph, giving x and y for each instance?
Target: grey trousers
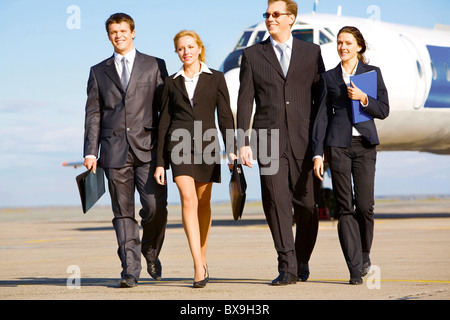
(122, 183)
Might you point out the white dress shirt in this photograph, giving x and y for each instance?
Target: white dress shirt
(191, 84)
(130, 56)
(288, 49)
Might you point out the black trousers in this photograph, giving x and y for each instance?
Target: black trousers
(291, 191)
(354, 204)
(122, 183)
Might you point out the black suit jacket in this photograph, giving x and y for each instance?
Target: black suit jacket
(287, 103)
(333, 126)
(117, 120)
(211, 94)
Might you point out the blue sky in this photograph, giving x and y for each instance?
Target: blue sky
(45, 68)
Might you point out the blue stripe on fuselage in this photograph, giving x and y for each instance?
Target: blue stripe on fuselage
(439, 96)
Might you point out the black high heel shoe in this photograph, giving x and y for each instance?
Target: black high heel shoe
(201, 283)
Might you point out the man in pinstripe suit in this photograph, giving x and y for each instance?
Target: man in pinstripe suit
(286, 85)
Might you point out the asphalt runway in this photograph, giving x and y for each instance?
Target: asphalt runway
(62, 254)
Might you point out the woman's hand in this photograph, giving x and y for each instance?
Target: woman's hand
(355, 93)
(160, 173)
(318, 168)
(231, 158)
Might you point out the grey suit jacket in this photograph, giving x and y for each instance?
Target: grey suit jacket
(287, 103)
(117, 119)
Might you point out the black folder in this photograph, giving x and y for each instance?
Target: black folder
(238, 188)
(91, 186)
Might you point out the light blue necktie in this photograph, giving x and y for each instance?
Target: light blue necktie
(284, 60)
(125, 74)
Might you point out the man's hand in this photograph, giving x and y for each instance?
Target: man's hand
(91, 163)
(246, 156)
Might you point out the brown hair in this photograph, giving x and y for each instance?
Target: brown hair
(359, 40)
(197, 38)
(291, 6)
(119, 18)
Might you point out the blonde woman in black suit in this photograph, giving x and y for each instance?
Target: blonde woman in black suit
(191, 98)
(351, 149)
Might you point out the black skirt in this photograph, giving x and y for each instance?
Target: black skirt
(202, 168)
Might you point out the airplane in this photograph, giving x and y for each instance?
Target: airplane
(415, 66)
(415, 63)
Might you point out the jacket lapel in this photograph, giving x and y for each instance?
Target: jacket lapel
(361, 68)
(138, 68)
(336, 74)
(296, 55)
(202, 83)
(178, 82)
(270, 56)
(111, 71)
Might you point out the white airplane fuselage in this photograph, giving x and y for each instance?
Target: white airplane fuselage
(415, 64)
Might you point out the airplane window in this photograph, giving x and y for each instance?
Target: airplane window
(447, 70)
(433, 69)
(331, 32)
(232, 61)
(419, 69)
(259, 37)
(244, 39)
(323, 39)
(305, 35)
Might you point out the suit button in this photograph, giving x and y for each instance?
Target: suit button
(287, 102)
(128, 129)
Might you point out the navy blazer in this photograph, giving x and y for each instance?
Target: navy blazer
(333, 125)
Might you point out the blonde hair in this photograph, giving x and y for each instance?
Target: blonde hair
(197, 38)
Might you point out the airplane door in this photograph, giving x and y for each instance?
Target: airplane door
(420, 83)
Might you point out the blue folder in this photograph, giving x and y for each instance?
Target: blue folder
(367, 82)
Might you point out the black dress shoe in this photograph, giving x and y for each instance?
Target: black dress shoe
(356, 281)
(128, 281)
(285, 278)
(303, 272)
(154, 268)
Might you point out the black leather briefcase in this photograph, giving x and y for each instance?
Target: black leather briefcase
(238, 188)
(91, 187)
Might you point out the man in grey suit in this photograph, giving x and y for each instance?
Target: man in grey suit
(122, 115)
(282, 75)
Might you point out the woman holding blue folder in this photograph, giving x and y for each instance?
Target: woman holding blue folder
(350, 148)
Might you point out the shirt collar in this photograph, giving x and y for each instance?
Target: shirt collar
(289, 42)
(130, 56)
(203, 68)
(354, 70)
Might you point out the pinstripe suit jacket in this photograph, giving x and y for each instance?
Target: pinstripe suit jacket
(289, 103)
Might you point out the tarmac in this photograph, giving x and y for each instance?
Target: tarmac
(59, 253)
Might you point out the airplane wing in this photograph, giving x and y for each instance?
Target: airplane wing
(72, 164)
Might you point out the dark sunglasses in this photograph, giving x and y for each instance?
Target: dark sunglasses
(275, 15)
